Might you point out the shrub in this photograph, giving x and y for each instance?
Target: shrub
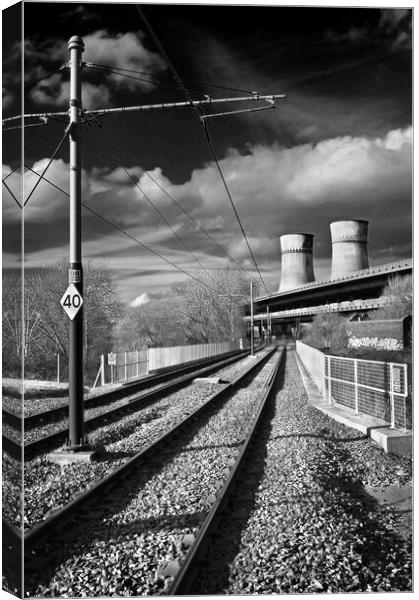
(327, 331)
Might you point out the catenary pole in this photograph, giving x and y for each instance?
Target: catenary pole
(252, 344)
(75, 272)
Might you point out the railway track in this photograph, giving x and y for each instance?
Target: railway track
(160, 384)
(58, 519)
(221, 510)
(90, 515)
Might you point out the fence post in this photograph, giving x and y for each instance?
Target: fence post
(102, 367)
(329, 374)
(125, 366)
(58, 368)
(356, 386)
(138, 363)
(391, 394)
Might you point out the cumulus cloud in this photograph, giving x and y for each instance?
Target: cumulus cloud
(121, 50)
(55, 92)
(276, 190)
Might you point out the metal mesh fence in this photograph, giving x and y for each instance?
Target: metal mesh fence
(160, 358)
(369, 387)
(130, 364)
(374, 403)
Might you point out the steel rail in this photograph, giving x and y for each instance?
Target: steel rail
(12, 447)
(51, 440)
(15, 420)
(187, 573)
(58, 519)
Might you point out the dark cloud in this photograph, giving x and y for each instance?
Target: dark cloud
(397, 23)
(339, 145)
(354, 35)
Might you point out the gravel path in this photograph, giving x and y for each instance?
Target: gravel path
(132, 547)
(49, 486)
(302, 523)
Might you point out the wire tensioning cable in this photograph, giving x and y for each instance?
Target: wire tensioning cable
(12, 194)
(11, 172)
(57, 149)
(207, 135)
(160, 79)
(131, 156)
(24, 126)
(149, 200)
(121, 230)
(47, 180)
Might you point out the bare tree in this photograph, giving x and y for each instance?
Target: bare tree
(40, 331)
(398, 292)
(191, 313)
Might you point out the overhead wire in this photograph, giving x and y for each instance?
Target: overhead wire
(133, 238)
(207, 135)
(57, 149)
(32, 84)
(115, 72)
(172, 199)
(160, 79)
(232, 203)
(158, 211)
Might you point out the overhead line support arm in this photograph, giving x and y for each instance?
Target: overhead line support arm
(163, 105)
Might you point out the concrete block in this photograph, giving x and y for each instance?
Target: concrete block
(393, 441)
(214, 380)
(67, 457)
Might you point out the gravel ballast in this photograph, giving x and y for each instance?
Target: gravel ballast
(307, 525)
(49, 486)
(133, 543)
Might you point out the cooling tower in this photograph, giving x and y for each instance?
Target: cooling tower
(296, 260)
(349, 247)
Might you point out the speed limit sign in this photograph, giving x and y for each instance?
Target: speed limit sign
(71, 301)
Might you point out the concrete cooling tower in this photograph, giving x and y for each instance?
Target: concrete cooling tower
(349, 247)
(296, 260)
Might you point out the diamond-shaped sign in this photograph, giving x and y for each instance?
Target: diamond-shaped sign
(71, 301)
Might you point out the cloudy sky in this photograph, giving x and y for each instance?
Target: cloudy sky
(339, 146)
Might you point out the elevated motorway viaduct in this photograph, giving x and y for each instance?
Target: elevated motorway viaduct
(356, 292)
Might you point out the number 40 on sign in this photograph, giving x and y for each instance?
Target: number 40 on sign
(71, 301)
